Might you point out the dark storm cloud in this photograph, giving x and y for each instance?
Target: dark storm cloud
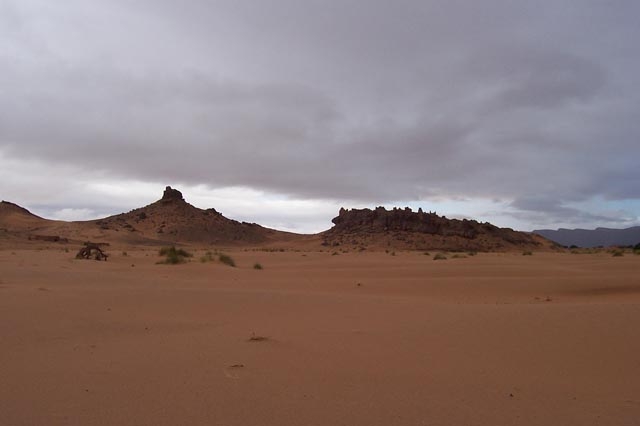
(371, 101)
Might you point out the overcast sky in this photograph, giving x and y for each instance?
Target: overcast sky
(522, 113)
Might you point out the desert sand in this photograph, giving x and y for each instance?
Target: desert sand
(319, 339)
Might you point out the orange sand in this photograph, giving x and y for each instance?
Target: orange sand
(493, 339)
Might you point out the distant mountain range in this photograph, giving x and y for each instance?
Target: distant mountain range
(593, 237)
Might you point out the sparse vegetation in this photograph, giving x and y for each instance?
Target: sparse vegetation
(440, 256)
(579, 250)
(617, 253)
(426, 253)
(472, 253)
(527, 253)
(174, 256)
(226, 259)
(458, 256)
(257, 266)
(271, 249)
(125, 254)
(208, 257)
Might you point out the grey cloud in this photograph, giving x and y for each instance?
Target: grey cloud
(542, 210)
(536, 78)
(370, 101)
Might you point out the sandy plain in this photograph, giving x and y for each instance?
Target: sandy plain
(315, 339)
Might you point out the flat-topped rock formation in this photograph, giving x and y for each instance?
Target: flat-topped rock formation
(406, 229)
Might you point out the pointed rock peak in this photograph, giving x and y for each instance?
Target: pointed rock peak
(171, 194)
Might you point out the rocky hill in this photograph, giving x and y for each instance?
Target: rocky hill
(14, 218)
(169, 220)
(405, 229)
(172, 219)
(10, 211)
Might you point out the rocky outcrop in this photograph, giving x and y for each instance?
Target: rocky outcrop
(382, 220)
(173, 220)
(406, 229)
(171, 194)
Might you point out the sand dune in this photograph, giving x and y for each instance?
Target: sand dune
(316, 339)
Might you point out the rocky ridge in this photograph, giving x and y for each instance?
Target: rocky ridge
(172, 220)
(405, 229)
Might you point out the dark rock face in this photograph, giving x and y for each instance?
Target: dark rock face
(171, 194)
(404, 228)
(382, 220)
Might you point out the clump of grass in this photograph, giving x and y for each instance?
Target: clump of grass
(472, 253)
(393, 253)
(439, 256)
(208, 257)
(226, 259)
(426, 253)
(257, 266)
(458, 256)
(125, 254)
(617, 253)
(335, 253)
(174, 256)
(168, 250)
(527, 253)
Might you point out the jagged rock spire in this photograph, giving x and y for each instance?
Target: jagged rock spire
(171, 194)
